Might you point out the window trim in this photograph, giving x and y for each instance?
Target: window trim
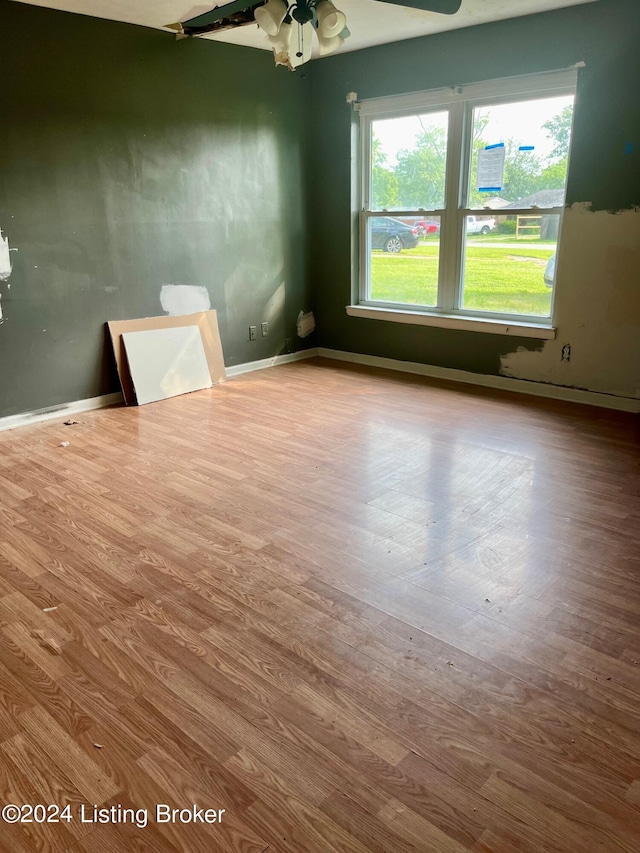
(460, 101)
(462, 322)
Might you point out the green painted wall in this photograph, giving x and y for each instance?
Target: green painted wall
(128, 161)
(605, 35)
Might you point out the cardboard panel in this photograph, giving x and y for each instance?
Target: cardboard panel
(207, 321)
(166, 362)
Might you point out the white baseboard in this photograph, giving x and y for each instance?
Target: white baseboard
(63, 410)
(247, 367)
(505, 383)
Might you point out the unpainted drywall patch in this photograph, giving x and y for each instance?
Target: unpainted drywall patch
(306, 324)
(5, 265)
(177, 299)
(597, 311)
(623, 265)
(5, 258)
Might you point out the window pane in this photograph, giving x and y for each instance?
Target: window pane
(520, 154)
(408, 162)
(511, 268)
(404, 259)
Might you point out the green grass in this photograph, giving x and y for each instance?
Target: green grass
(502, 280)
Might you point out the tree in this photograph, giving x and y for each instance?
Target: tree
(554, 176)
(384, 184)
(421, 170)
(522, 172)
(559, 130)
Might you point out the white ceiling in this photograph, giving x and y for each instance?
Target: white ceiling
(370, 22)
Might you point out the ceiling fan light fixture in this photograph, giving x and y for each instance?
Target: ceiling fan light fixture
(281, 45)
(329, 45)
(270, 16)
(331, 21)
(290, 26)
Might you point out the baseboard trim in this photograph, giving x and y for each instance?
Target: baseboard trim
(52, 412)
(65, 409)
(505, 383)
(249, 366)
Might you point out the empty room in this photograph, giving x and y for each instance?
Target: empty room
(319, 446)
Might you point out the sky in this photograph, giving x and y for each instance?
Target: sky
(521, 121)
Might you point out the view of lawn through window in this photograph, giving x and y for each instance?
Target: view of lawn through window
(509, 219)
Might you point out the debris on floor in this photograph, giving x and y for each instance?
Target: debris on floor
(70, 422)
(64, 444)
(49, 609)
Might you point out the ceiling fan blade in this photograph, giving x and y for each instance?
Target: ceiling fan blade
(443, 7)
(200, 23)
(203, 23)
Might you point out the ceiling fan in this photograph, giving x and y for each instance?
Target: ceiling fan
(291, 24)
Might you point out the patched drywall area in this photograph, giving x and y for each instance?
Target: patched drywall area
(179, 299)
(597, 307)
(5, 258)
(306, 324)
(5, 265)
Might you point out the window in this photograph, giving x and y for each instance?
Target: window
(462, 197)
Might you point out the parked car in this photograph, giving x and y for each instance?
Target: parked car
(391, 235)
(480, 225)
(427, 226)
(550, 271)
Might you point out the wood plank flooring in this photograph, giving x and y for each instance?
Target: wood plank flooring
(360, 612)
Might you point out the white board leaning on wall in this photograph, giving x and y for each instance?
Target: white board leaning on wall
(166, 362)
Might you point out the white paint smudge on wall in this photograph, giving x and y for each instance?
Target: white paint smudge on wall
(5, 265)
(178, 299)
(597, 308)
(306, 324)
(5, 258)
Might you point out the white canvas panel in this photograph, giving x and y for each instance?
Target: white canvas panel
(166, 362)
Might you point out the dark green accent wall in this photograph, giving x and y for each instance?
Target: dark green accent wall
(128, 161)
(605, 35)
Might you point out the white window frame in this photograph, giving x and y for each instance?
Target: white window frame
(460, 101)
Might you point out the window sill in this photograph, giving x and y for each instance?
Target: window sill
(517, 328)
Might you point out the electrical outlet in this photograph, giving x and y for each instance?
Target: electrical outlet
(253, 333)
(264, 329)
(566, 353)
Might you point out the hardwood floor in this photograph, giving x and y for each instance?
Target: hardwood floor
(360, 612)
